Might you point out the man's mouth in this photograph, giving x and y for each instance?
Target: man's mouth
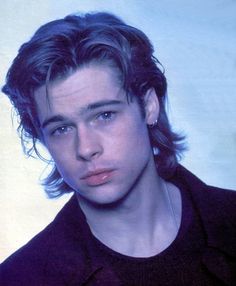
(98, 177)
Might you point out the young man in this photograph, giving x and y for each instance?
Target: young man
(89, 89)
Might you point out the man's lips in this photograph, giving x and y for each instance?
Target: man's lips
(98, 177)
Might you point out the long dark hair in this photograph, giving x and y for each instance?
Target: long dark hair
(60, 47)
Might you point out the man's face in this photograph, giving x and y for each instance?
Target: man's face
(98, 140)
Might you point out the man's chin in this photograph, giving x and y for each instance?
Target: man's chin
(102, 200)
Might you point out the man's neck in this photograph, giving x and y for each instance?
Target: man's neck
(141, 225)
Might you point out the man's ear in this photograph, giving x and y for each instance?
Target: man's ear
(151, 106)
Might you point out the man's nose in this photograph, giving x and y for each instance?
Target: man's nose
(88, 145)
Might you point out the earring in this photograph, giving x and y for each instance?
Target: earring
(153, 124)
(155, 151)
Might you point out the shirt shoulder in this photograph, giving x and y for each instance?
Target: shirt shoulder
(217, 211)
(52, 254)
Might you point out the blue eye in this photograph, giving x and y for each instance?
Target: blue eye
(61, 130)
(106, 116)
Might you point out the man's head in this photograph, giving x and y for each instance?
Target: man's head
(62, 47)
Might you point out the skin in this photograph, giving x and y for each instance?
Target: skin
(88, 125)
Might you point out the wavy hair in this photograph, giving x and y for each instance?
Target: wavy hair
(59, 48)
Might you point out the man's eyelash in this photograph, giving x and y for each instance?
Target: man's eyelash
(60, 130)
(108, 114)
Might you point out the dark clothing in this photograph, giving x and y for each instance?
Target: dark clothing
(203, 253)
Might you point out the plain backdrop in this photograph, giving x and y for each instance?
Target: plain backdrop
(194, 40)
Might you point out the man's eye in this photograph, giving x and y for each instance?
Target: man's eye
(61, 130)
(106, 116)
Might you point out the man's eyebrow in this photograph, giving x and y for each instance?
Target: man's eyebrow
(89, 107)
(102, 103)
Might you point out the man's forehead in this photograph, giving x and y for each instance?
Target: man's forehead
(92, 77)
(43, 97)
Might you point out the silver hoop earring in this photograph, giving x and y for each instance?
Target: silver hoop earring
(155, 151)
(153, 124)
